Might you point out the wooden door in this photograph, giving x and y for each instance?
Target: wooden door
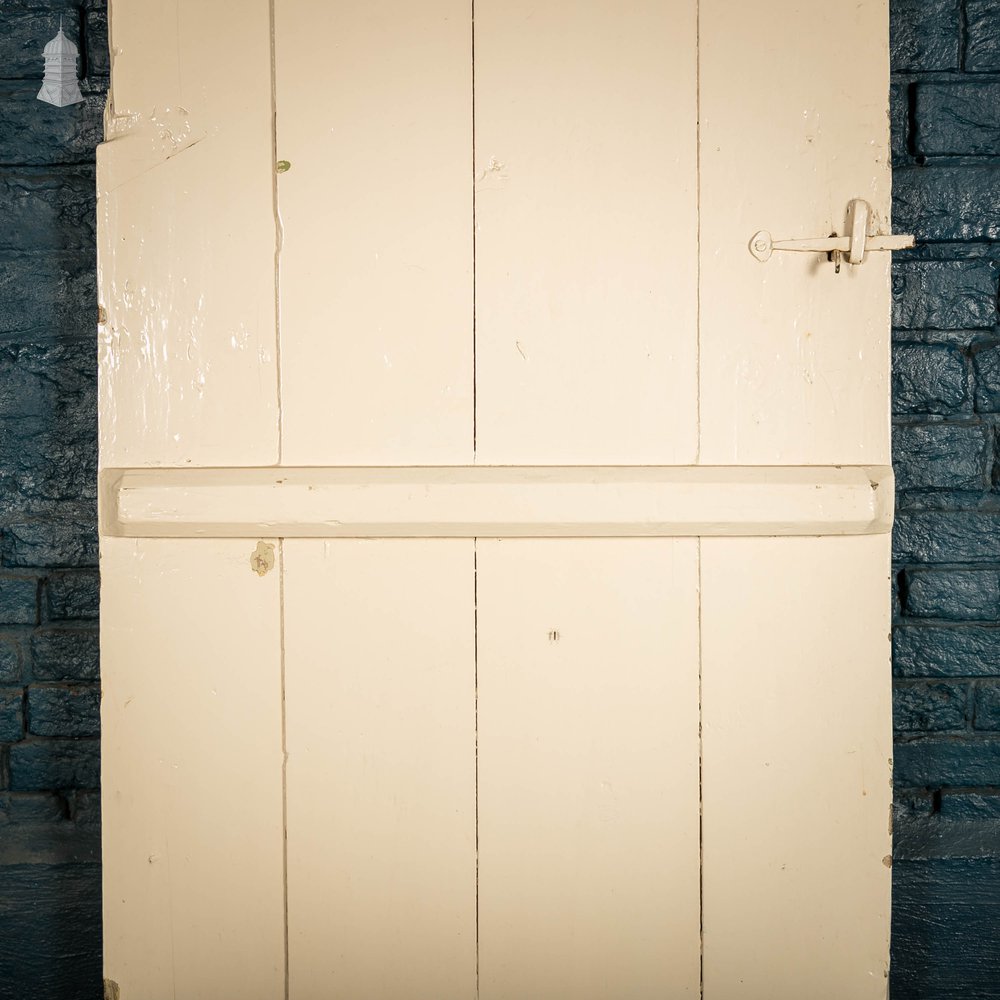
(495, 568)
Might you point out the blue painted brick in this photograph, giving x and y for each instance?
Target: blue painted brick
(48, 210)
(11, 665)
(970, 805)
(18, 600)
(946, 536)
(947, 204)
(944, 294)
(932, 707)
(938, 651)
(953, 594)
(945, 928)
(54, 296)
(73, 594)
(52, 948)
(34, 132)
(899, 116)
(64, 710)
(96, 38)
(966, 761)
(63, 654)
(986, 366)
(50, 544)
(27, 26)
(986, 711)
(982, 36)
(11, 714)
(946, 456)
(957, 118)
(924, 34)
(930, 378)
(41, 764)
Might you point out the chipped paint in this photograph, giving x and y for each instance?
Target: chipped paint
(111, 990)
(262, 558)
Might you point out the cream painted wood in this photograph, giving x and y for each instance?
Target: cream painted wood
(375, 119)
(191, 770)
(588, 768)
(381, 736)
(586, 232)
(796, 767)
(497, 501)
(794, 357)
(186, 238)
(612, 328)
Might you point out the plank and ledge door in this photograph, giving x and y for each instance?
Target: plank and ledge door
(479, 766)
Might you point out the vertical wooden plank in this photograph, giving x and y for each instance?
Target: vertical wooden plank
(375, 118)
(794, 357)
(191, 770)
(186, 238)
(588, 768)
(380, 711)
(586, 232)
(796, 766)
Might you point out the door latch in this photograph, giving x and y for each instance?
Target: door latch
(854, 248)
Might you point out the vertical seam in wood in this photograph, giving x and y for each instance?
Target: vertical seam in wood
(701, 799)
(697, 187)
(475, 667)
(284, 758)
(475, 411)
(278, 233)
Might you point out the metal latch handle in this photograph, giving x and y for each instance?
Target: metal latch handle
(854, 247)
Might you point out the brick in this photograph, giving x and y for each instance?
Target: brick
(969, 761)
(48, 209)
(899, 120)
(940, 651)
(27, 26)
(957, 118)
(50, 544)
(953, 594)
(62, 654)
(946, 536)
(11, 665)
(930, 378)
(971, 806)
(924, 34)
(48, 424)
(986, 707)
(18, 600)
(11, 714)
(73, 594)
(933, 707)
(38, 765)
(986, 368)
(945, 926)
(945, 294)
(51, 296)
(945, 456)
(944, 204)
(982, 36)
(31, 809)
(64, 710)
(33, 132)
(96, 49)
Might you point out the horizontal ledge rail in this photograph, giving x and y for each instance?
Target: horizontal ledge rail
(496, 501)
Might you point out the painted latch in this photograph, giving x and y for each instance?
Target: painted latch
(854, 248)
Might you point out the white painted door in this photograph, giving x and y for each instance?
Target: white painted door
(494, 553)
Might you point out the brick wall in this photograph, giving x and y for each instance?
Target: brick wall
(946, 404)
(50, 891)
